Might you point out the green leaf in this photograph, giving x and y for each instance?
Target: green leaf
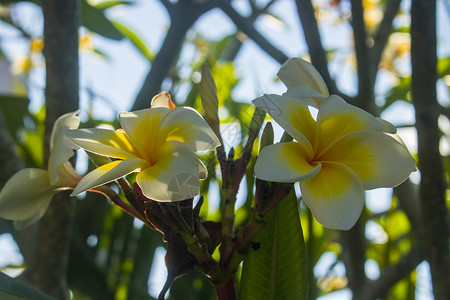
(108, 4)
(135, 40)
(277, 269)
(95, 20)
(443, 66)
(14, 109)
(13, 289)
(399, 92)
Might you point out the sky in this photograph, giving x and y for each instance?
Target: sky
(119, 77)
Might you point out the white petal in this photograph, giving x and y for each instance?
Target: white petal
(296, 71)
(186, 125)
(62, 124)
(284, 162)
(109, 172)
(25, 194)
(388, 127)
(174, 177)
(19, 225)
(293, 115)
(335, 196)
(377, 159)
(67, 176)
(312, 97)
(163, 100)
(202, 170)
(61, 148)
(337, 118)
(104, 142)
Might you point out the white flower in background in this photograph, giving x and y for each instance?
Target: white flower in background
(27, 194)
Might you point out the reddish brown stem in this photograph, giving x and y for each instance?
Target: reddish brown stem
(226, 291)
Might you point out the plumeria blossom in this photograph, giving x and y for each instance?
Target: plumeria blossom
(336, 156)
(28, 193)
(158, 143)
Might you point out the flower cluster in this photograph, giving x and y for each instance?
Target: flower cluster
(336, 156)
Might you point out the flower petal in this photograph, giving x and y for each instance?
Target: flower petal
(335, 196)
(61, 148)
(25, 194)
(104, 142)
(66, 176)
(337, 118)
(202, 170)
(388, 127)
(186, 125)
(284, 162)
(109, 172)
(292, 114)
(378, 159)
(174, 177)
(140, 126)
(163, 100)
(19, 225)
(312, 97)
(296, 71)
(62, 124)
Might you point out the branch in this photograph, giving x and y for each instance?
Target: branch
(61, 22)
(354, 257)
(432, 184)
(366, 94)
(308, 20)
(391, 275)
(382, 36)
(246, 26)
(407, 194)
(183, 15)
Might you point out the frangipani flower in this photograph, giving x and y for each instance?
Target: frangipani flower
(303, 81)
(28, 193)
(335, 158)
(159, 143)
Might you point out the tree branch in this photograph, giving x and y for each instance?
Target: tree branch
(366, 94)
(246, 26)
(391, 275)
(432, 185)
(61, 22)
(354, 257)
(183, 15)
(382, 36)
(308, 20)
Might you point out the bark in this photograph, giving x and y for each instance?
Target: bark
(432, 185)
(61, 22)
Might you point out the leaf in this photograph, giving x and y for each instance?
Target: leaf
(135, 40)
(277, 269)
(443, 66)
(14, 109)
(399, 92)
(95, 20)
(108, 4)
(13, 289)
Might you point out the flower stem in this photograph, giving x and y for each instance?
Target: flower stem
(226, 291)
